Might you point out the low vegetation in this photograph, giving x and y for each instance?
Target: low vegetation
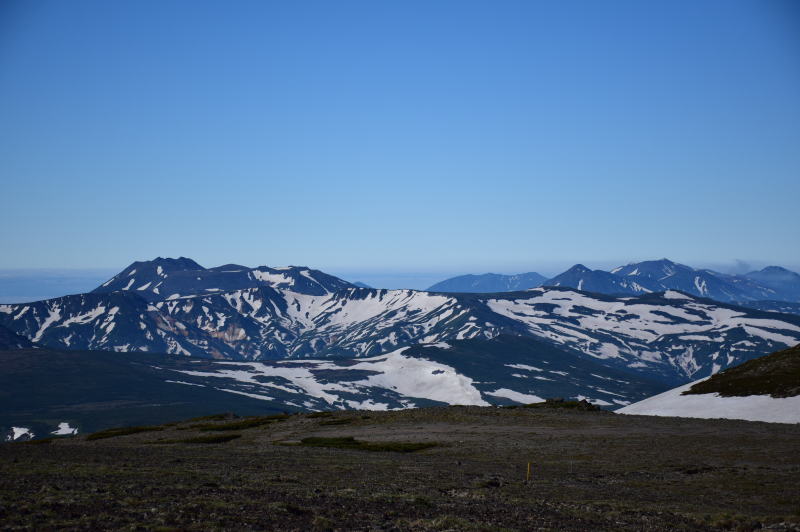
(212, 438)
(349, 442)
(122, 431)
(242, 424)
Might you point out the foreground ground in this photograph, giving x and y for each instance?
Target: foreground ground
(590, 471)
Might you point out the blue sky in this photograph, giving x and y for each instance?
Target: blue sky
(399, 138)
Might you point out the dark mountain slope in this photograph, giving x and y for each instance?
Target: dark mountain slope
(41, 388)
(11, 340)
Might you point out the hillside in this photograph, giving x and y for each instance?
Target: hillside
(763, 389)
(776, 375)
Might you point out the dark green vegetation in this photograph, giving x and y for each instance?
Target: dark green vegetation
(122, 431)
(592, 470)
(212, 438)
(348, 442)
(777, 375)
(246, 423)
(558, 402)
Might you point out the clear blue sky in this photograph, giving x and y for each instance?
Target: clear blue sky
(399, 136)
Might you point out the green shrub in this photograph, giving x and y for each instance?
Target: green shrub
(245, 423)
(122, 431)
(212, 438)
(345, 421)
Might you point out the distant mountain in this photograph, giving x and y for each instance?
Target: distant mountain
(11, 340)
(359, 284)
(660, 275)
(784, 307)
(670, 336)
(785, 283)
(762, 389)
(161, 279)
(582, 278)
(489, 283)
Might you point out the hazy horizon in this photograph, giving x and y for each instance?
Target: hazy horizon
(23, 285)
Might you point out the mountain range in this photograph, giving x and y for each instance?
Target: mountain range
(762, 289)
(297, 338)
(296, 313)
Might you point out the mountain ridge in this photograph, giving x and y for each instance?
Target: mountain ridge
(670, 335)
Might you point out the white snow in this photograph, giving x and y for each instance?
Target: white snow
(518, 397)
(187, 383)
(64, 429)
(523, 366)
(408, 376)
(55, 315)
(19, 432)
(713, 406)
(673, 294)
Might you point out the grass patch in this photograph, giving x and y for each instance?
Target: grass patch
(348, 442)
(212, 417)
(345, 421)
(122, 431)
(243, 424)
(583, 404)
(211, 438)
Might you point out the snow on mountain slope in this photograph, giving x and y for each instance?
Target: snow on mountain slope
(711, 406)
(405, 379)
(266, 323)
(582, 278)
(673, 333)
(660, 275)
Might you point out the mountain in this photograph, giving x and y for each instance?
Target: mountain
(762, 389)
(359, 284)
(582, 278)
(11, 340)
(661, 275)
(784, 307)
(88, 391)
(669, 336)
(489, 283)
(161, 279)
(785, 283)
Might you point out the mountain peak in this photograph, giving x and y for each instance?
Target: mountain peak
(579, 268)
